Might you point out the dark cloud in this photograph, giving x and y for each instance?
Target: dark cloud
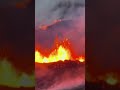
(67, 7)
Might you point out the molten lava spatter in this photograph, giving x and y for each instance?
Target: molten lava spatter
(81, 59)
(61, 53)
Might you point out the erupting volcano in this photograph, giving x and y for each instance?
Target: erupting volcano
(59, 45)
(61, 52)
(58, 66)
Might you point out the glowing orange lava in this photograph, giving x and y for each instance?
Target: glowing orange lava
(45, 27)
(61, 53)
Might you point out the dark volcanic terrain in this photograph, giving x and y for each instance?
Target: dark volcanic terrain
(67, 75)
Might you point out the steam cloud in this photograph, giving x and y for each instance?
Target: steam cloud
(10, 77)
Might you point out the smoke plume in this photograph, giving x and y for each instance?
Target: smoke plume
(47, 11)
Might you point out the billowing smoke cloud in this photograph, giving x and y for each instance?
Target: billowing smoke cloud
(47, 11)
(10, 77)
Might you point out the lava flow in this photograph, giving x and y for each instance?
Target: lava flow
(61, 52)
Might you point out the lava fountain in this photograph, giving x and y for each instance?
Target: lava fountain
(61, 63)
(61, 52)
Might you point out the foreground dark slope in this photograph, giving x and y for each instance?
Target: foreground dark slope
(67, 75)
